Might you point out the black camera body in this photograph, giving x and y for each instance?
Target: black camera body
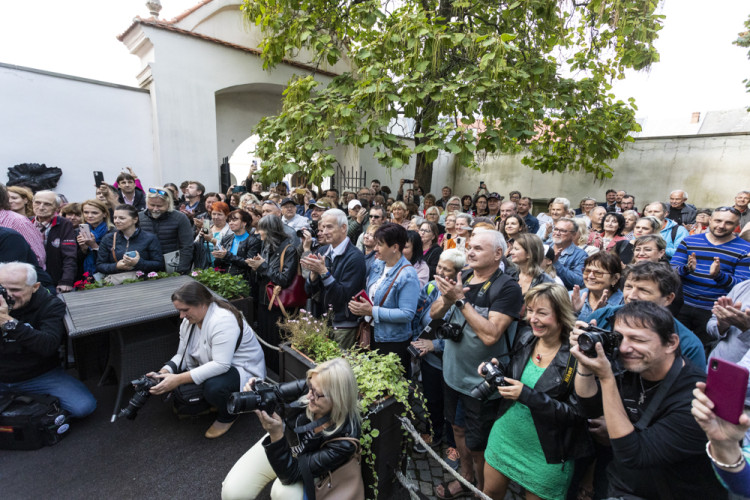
(142, 388)
(609, 339)
(8, 299)
(449, 331)
(266, 397)
(493, 378)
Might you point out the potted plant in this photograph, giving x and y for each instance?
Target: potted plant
(384, 393)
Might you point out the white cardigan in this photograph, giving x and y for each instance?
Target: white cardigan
(212, 348)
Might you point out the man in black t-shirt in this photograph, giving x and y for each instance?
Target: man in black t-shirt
(484, 303)
(657, 446)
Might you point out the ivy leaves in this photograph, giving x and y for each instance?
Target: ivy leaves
(455, 76)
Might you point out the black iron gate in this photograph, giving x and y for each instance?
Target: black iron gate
(349, 179)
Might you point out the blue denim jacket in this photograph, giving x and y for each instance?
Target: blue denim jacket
(392, 321)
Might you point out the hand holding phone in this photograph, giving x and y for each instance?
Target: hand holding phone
(362, 297)
(726, 386)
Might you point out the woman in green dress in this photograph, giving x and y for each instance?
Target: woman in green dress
(539, 430)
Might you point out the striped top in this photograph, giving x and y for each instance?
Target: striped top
(699, 288)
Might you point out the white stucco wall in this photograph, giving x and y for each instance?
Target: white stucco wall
(75, 124)
(710, 168)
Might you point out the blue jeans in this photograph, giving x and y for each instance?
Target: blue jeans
(74, 397)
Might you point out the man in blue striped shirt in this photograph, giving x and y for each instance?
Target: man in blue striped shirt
(710, 264)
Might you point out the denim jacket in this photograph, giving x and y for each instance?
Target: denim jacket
(392, 321)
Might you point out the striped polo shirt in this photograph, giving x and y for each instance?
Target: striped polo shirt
(699, 288)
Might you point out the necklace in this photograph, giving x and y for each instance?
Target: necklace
(538, 356)
(644, 391)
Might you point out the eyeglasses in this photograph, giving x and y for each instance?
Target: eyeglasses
(731, 210)
(597, 274)
(158, 191)
(315, 394)
(375, 216)
(425, 231)
(562, 231)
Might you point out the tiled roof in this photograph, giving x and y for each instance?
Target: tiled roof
(169, 26)
(190, 11)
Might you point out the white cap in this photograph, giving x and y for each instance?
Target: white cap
(354, 203)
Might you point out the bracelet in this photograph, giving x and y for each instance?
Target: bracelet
(584, 374)
(739, 463)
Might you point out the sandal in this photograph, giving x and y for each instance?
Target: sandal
(463, 492)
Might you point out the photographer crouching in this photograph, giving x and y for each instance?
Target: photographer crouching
(217, 350)
(319, 441)
(657, 446)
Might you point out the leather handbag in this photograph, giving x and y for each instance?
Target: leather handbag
(364, 329)
(344, 483)
(291, 297)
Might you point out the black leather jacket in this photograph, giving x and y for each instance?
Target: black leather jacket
(270, 269)
(247, 249)
(559, 424)
(311, 455)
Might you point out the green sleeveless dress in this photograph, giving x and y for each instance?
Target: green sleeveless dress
(514, 449)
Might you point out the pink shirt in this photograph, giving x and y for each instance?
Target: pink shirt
(28, 230)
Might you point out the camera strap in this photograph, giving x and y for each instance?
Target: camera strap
(661, 393)
(178, 368)
(302, 429)
(480, 299)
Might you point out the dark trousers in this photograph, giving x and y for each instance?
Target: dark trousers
(696, 320)
(399, 348)
(269, 332)
(432, 383)
(217, 390)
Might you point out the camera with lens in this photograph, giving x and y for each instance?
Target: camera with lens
(493, 378)
(142, 387)
(8, 299)
(592, 335)
(449, 331)
(267, 397)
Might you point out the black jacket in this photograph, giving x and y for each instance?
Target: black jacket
(271, 271)
(62, 251)
(432, 257)
(247, 249)
(14, 247)
(559, 424)
(174, 232)
(139, 199)
(312, 455)
(146, 244)
(348, 271)
(32, 349)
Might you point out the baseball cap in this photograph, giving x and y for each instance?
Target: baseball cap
(322, 203)
(287, 200)
(354, 203)
(495, 195)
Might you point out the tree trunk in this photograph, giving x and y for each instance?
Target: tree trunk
(423, 174)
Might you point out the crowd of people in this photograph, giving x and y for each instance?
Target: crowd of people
(509, 291)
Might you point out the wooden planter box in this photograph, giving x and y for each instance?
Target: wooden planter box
(246, 307)
(387, 447)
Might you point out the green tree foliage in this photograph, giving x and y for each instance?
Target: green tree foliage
(743, 40)
(474, 76)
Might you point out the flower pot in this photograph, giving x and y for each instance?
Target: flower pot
(293, 365)
(246, 307)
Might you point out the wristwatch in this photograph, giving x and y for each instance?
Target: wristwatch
(10, 325)
(460, 303)
(326, 275)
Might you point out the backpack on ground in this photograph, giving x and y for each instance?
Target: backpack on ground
(31, 421)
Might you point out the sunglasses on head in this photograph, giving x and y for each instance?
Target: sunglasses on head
(158, 191)
(731, 210)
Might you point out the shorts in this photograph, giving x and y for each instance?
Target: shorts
(479, 416)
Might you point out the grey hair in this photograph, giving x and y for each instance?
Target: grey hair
(31, 277)
(455, 257)
(58, 200)
(497, 238)
(679, 191)
(462, 215)
(571, 221)
(744, 192)
(340, 216)
(431, 210)
(562, 201)
(655, 223)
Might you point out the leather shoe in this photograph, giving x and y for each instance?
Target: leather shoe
(218, 429)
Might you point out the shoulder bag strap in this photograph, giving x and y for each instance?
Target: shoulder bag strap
(178, 368)
(391, 285)
(653, 405)
(114, 245)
